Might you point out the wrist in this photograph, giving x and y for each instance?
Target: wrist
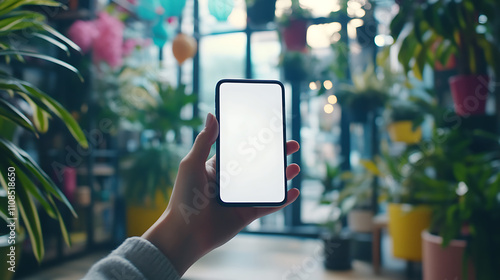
(173, 239)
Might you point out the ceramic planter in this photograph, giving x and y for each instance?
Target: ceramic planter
(470, 93)
(337, 252)
(295, 35)
(141, 217)
(360, 220)
(402, 131)
(406, 223)
(443, 263)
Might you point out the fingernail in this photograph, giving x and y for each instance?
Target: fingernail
(210, 120)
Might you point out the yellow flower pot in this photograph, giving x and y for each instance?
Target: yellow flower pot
(141, 217)
(406, 223)
(402, 131)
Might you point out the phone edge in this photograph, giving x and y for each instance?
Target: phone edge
(217, 146)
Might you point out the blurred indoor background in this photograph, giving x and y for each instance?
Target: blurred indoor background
(394, 103)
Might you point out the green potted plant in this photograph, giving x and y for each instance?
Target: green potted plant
(463, 187)
(355, 197)
(296, 65)
(405, 118)
(408, 214)
(293, 27)
(150, 171)
(24, 182)
(366, 94)
(457, 29)
(336, 240)
(260, 12)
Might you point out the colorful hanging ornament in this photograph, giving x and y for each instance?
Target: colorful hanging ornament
(173, 8)
(183, 47)
(147, 9)
(160, 33)
(220, 9)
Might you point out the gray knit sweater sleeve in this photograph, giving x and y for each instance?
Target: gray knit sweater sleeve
(135, 259)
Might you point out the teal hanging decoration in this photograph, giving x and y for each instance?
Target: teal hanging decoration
(220, 9)
(173, 8)
(160, 33)
(146, 9)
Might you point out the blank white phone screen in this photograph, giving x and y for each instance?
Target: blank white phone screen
(252, 160)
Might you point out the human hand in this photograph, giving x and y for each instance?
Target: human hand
(194, 223)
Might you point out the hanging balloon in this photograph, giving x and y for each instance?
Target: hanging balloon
(160, 33)
(220, 9)
(183, 47)
(146, 9)
(173, 8)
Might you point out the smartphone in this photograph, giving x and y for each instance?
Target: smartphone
(251, 150)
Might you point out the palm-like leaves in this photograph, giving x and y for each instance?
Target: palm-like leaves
(32, 183)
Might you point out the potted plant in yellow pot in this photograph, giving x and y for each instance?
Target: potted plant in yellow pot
(408, 215)
(457, 28)
(26, 188)
(149, 173)
(405, 119)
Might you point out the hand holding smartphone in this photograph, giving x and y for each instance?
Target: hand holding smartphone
(251, 153)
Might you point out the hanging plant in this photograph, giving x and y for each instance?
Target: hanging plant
(293, 27)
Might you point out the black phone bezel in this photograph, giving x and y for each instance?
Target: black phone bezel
(217, 114)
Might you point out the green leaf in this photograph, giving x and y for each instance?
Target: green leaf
(19, 22)
(409, 47)
(53, 42)
(460, 172)
(7, 6)
(41, 119)
(397, 23)
(36, 97)
(62, 225)
(28, 166)
(420, 59)
(35, 192)
(61, 37)
(44, 57)
(11, 113)
(31, 220)
(61, 113)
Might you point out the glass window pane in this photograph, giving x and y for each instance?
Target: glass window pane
(265, 54)
(221, 57)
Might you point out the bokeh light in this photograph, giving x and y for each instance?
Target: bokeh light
(328, 84)
(332, 99)
(328, 108)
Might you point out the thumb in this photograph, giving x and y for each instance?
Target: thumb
(205, 140)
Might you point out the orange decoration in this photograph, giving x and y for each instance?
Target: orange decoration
(183, 47)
